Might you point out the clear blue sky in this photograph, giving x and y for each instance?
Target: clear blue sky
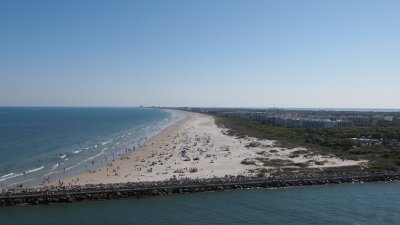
(200, 53)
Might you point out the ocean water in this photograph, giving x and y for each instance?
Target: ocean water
(372, 203)
(55, 142)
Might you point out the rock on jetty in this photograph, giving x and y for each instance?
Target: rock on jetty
(35, 196)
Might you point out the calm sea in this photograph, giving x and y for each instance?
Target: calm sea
(373, 203)
(56, 142)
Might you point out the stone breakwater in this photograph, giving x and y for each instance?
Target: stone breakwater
(21, 196)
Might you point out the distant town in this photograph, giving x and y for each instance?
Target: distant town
(379, 136)
(303, 118)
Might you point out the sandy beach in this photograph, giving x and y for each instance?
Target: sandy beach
(197, 148)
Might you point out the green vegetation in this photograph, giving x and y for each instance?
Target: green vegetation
(338, 141)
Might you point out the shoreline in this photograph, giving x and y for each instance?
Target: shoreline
(100, 161)
(40, 196)
(94, 176)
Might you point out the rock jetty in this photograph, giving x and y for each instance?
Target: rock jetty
(50, 195)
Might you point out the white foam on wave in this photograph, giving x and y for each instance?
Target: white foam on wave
(55, 166)
(63, 156)
(76, 151)
(106, 142)
(11, 176)
(86, 160)
(34, 170)
(7, 175)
